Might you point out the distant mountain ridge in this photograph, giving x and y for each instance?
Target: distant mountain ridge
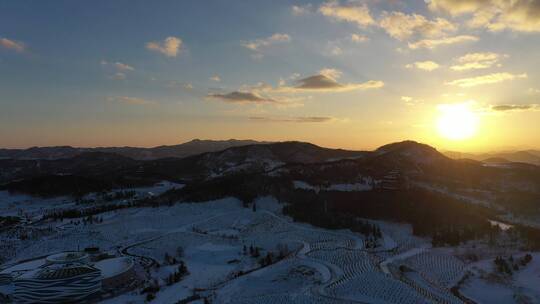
(186, 149)
(528, 156)
(292, 160)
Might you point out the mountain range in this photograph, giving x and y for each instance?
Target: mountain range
(525, 156)
(419, 163)
(198, 146)
(193, 147)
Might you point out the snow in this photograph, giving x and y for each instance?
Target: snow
(28, 206)
(303, 185)
(481, 291)
(366, 185)
(501, 225)
(25, 266)
(114, 266)
(323, 266)
(350, 187)
(529, 278)
(486, 286)
(401, 256)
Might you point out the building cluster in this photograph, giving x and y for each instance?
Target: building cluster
(394, 180)
(67, 277)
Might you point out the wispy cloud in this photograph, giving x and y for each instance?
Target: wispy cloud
(475, 61)
(514, 107)
(118, 65)
(169, 47)
(132, 100)
(350, 12)
(118, 76)
(215, 78)
(494, 15)
(357, 38)
(298, 119)
(486, 79)
(242, 97)
(333, 48)
(424, 65)
(118, 70)
(12, 45)
(300, 10)
(180, 84)
(434, 43)
(410, 101)
(533, 91)
(327, 81)
(403, 26)
(258, 44)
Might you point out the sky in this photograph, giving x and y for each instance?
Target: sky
(456, 74)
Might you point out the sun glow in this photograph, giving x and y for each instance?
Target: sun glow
(457, 121)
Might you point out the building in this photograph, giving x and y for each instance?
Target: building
(116, 273)
(68, 257)
(58, 283)
(67, 277)
(394, 180)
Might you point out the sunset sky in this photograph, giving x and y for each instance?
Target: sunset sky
(456, 74)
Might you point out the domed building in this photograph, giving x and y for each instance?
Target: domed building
(68, 257)
(67, 277)
(58, 283)
(116, 273)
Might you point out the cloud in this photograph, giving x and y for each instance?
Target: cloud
(132, 100)
(485, 79)
(215, 78)
(12, 45)
(331, 73)
(533, 91)
(409, 101)
(300, 119)
(242, 97)
(512, 107)
(406, 98)
(178, 84)
(474, 61)
(283, 96)
(457, 7)
(494, 15)
(433, 43)
(118, 76)
(170, 47)
(123, 67)
(402, 26)
(359, 38)
(326, 81)
(424, 65)
(333, 49)
(300, 10)
(118, 70)
(351, 12)
(515, 107)
(258, 44)
(118, 65)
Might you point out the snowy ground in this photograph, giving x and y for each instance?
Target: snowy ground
(321, 266)
(523, 286)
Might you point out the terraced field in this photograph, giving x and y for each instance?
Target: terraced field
(441, 269)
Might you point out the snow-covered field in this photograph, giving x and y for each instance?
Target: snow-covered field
(523, 286)
(217, 241)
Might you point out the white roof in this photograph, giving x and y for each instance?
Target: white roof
(114, 266)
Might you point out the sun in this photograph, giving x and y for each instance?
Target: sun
(457, 121)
